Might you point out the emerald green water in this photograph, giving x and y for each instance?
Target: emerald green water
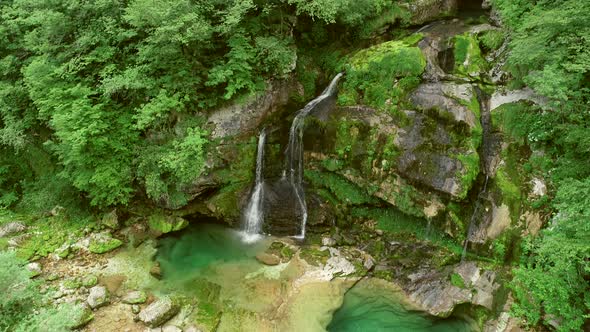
(199, 249)
(368, 307)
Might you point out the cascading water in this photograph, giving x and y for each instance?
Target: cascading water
(294, 153)
(254, 214)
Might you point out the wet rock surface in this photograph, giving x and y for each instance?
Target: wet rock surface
(159, 312)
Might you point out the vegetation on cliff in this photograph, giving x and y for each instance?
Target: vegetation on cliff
(550, 52)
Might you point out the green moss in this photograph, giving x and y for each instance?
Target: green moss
(471, 170)
(468, 58)
(90, 281)
(382, 75)
(332, 164)
(491, 40)
(395, 222)
(507, 183)
(104, 245)
(166, 224)
(457, 280)
(342, 189)
(313, 255)
(50, 233)
(459, 217)
(226, 201)
(72, 284)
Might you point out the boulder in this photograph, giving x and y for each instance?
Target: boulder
(156, 270)
(159, 312)
(12, 228)
(34, 269)
(134, 297)
(328, 242)
(268, 259)
(98, 297)
(100, 243)
(111, 220)
(423, 11)
(166, 224)
(81, 315)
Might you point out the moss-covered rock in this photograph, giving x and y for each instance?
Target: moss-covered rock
(382, 75)
(103, 242)
(468, 58)
(166, 224)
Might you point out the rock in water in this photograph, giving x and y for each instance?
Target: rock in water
(268, 259)
(159, 312)
(135, 297)
(171, 328)
(156, 270)
(98, 297)
(12, 228)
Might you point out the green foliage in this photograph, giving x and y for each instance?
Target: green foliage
(396, 222)
(167, 167)
(491, 40)
(468, 57)
(103, 245)
(552, 278)
(550, 47)
(22, 307)
(380, 76)
(457, 280)
(470, 171)
(346, 192)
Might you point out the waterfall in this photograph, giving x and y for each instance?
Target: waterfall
(480, 196)
(293, 171)
(254, 214)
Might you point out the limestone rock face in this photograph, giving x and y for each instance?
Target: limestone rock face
(159, 312)
(239, 119)
(433, 291)
(98, 297)
(12, 228)
(423, 11)
(448, 98)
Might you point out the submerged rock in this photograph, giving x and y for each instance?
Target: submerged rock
(268, 259)
(98, 297)
(156, 270)
(159, 312)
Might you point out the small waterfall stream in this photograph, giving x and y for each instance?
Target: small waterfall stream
(254, 214)
(293, 171)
